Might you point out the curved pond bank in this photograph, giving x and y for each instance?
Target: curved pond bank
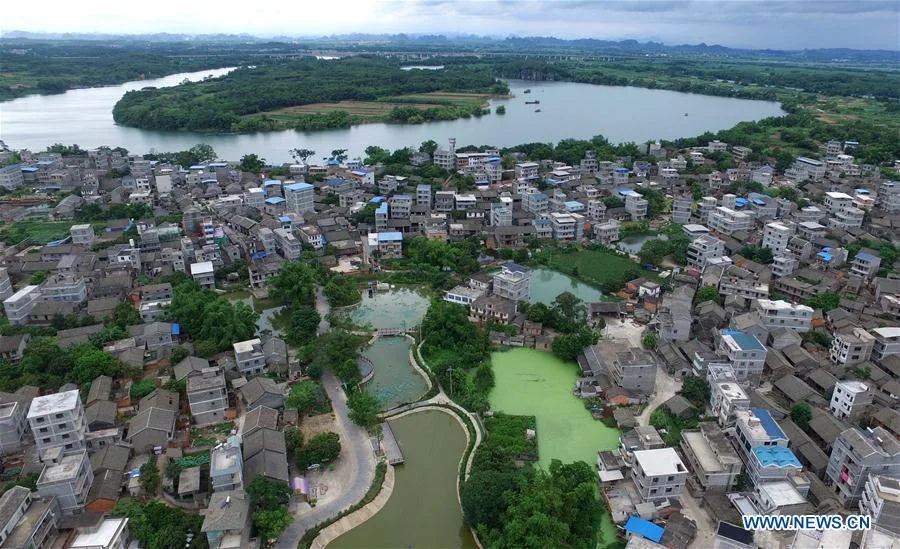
(530, 382)
(423, 511)
(546, 284)
(401, 308)
(395, 381)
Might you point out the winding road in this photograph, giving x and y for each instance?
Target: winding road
(356, 453)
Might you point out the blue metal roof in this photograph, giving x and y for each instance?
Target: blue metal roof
(825, 256)
(777, 456)
(826, 248)
(759, 201)
(765, 418)
(645, 528)
(284, 219)
(574, 204)
(376, 200)
(197, 167)
(297, 187)
(515, 267)
(176, 329)
(359, 172)
(744, 340)
(866, 256)
(270, 182)
(539, 195)
(275, 200)
(29, 169)
(423, 187)
(382, 208)
(402, 197)
(740, 202)
(392, 236)
(862, 191)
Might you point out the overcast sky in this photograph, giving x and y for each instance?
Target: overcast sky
(787, 24)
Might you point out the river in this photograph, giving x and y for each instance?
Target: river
(84, 117)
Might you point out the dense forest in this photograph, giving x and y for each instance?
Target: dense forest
(219, 104)
(54, 67)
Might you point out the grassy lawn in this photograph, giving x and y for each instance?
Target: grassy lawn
(39, 232)
(596, 267)
(372, 111)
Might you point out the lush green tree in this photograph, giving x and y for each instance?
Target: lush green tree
(203, 152)
(484, 497)
(428, 147)
(826, 301)
(252, 163)
(801, 413)
(38, 277)
(126, 315)
(648, 341)
(111, 333)
(150, 478)
(695, 389)
(568, 346)
(758, 254)
(267, 493)
(364, 409)
(569, 313)
(301, 155)
(484, 378)
(322, 448)
(90, 362)
(706, 293)
(303, 325)
(337, 350)
(376, 155)
(294, 284)
(539, 312)
(158, 526)
(653, 251)
(305, 395)
(270, 523)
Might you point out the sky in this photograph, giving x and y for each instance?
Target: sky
(777, 24)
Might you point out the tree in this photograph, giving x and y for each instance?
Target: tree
(126, 315)
(341, 291)
(305, 395)
(653, 251)
(322, 448)
(428, 147)
(150, 479)
(482, 496)
(301, 154)
(364, 409)
(203, 152)
(338, 155)
(159, 526)
(826, 301)
(303, 325)
(801, 413)
(90, 362)
(376, 155)
(648, 341)
(293, 441)
(252, 163)
(706, 293)
(695, 389)
(568, 346)
(38, 277)
(294, 284)
(569, 312)
(270, 523)
(268, 493)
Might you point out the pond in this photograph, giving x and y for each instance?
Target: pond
(547, 284)
(632, 244)
(401, 308)
(423, 511)
(569, 110)
(531, 382)
(395, 382)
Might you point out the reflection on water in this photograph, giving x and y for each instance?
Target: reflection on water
(395, 382)
(403, 309)
(547, 284)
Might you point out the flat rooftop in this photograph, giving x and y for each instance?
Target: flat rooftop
(103, 536)
(782, 493)
(66, 469)
(702, 450)
(661, 461)
(54, 404)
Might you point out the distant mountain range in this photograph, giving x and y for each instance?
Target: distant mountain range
(484, 42)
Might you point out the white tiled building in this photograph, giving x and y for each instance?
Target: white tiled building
(850, 399)
(513, 281)
(776, 236)
(658, 474)
(781, 314)
(57, 421)
(887, 342)
(250, 358)
(727, 221)
(82, 235)
(19, 305)
(299, 197)
(704, 248)
(851, 346)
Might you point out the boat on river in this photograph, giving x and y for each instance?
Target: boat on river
(535, 102)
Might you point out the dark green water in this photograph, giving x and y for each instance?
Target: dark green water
(396, 382)
(423, 512)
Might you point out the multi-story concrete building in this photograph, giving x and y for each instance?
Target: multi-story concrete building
(512, 281)
(312, 236)
(607, 232)
(250, 357)
(776, 236)
(19, 305)
(64, 287)
(711, 457)
(82, 235)
(726, 399)
(681, 209)
(634, 370)
(401, 205)
(299, 197)
(111, 533)
(742, 287)
(850, 399)
(423, 195)
(881, 501)
(226, 466)
(855, 455)
(637, 206)
(57, 421)
(781, 314)
(288, 245)
(596, 211)
(207, 396)
(444, 201)
(784, 265)
(703, 248)
(851, 346)
(705, 207)
(745, 353)
(865, 264)
(502, 213)
(658, 474)
(843, 213)
(382, 215)
(255, 198)
(567, 227)
(755, 429)
(204, 274)
(536, 203)
(11, 177)
(6, 287)
(814, 169)
(527, 171)
(68, 479)
(383, 245)
(887, 342)
(446, 158)
(28, 522)
(728, 221)
(888, 196)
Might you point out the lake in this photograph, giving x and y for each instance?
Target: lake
(633, 244)
(547, 284)
(395, 382)
(401, 308)
(84, 117)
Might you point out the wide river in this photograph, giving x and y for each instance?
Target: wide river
(622, 114)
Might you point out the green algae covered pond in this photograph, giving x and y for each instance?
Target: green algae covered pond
(423, 511)
(395, 382)
(546, 284)
(530, 382)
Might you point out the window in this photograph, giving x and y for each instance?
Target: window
(58, 416)
(669, 490)
(670, 478)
